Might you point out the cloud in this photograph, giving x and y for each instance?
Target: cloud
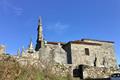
(18, 11)
(6, 7)
(57, 27)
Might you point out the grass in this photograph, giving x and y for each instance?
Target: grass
(10, 69)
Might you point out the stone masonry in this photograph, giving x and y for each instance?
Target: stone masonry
(2, 49)
(100, 53)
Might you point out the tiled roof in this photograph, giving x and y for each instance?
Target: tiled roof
(86, 43)
(55, 43)
(97, 40)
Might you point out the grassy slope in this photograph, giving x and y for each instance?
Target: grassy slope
(11, 70)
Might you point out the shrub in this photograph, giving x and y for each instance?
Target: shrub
(10, 69)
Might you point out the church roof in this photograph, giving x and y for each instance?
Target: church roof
(87, 43)
(55, 43)
(97, 40)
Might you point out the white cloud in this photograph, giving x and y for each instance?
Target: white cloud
(57, 27)
(18, 11)
(6, 7)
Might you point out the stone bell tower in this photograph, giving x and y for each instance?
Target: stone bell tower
(40, 40)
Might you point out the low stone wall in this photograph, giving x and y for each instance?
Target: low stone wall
(47, 67)
(80, 72)
(98, 72)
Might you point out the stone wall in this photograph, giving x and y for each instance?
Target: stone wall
(79, 56)
(98, 72)
(2, 49)
(99, 55)
(56, 54)
(52, 46)
(60, 55)
(57, 69)
(67, 48)
(107, 52)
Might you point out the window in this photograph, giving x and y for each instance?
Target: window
(87, 51)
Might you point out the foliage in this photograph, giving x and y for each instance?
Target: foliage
(10, 69)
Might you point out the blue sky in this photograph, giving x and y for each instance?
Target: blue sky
(63, 20)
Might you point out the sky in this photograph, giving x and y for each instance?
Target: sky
(63, 20)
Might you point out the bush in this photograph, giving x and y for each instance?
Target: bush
(10, 69)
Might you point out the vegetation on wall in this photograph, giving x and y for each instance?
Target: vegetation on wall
(10, 69)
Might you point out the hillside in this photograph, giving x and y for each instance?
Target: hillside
(10, 69)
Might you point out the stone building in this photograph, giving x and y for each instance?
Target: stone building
(2, 49)
(90, 52)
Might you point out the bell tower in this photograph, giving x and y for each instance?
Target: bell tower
(40, 40)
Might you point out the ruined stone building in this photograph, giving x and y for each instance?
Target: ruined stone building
(90, 52)
(2, 49)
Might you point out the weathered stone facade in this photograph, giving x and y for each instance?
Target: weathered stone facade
(98, 72)
(106, 52)
(90, 72)
(2, 49)
(100, 54)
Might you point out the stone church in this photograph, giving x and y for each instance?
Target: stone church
(90, 52)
